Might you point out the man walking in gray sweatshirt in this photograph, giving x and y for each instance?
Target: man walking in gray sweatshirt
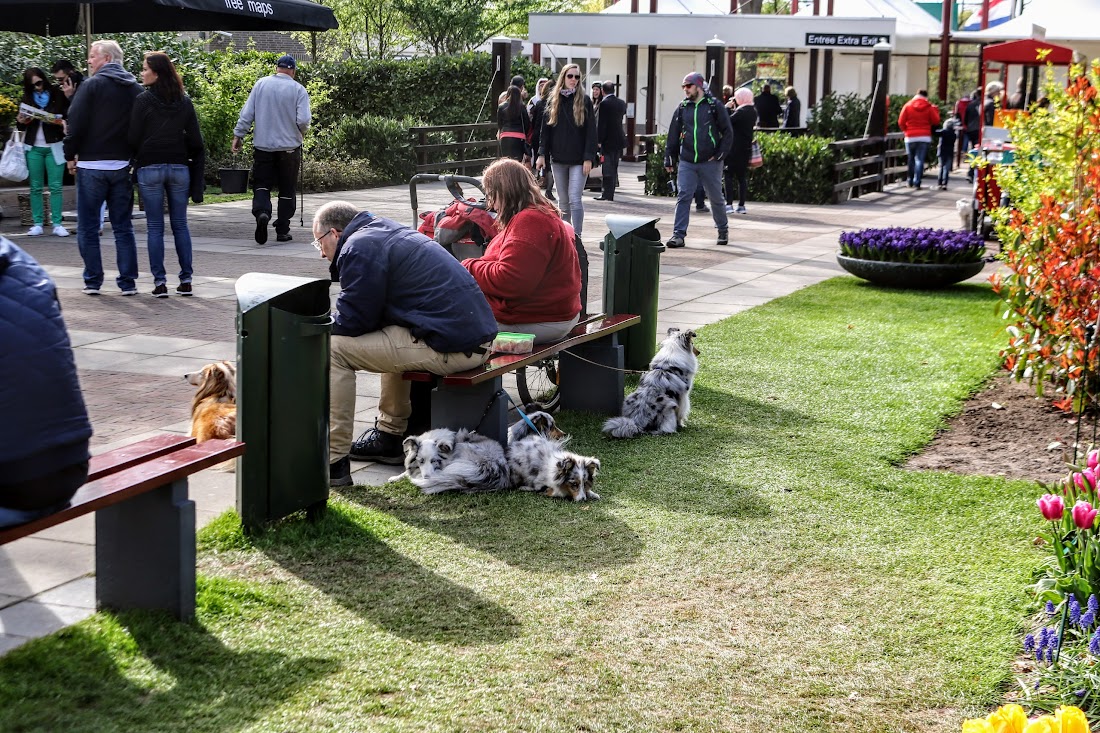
(278, 108)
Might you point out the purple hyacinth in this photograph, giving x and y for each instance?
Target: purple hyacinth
(1094, 645)
(1094, 604)
(920, 246)
(1087, 619)
(1050, 653)
(1051, 610)
(1029, 643)
(1074, 610)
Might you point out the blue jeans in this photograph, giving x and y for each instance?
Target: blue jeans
(571, 180)
(916, 153)
(689, 176)
(153, 182)
(93, 188)
(945, 170)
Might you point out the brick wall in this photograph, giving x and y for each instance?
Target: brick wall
(261, 41)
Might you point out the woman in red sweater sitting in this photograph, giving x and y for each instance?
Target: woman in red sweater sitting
(529, 273)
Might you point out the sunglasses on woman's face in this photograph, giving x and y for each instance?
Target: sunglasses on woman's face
(38, 83)
(572, 76)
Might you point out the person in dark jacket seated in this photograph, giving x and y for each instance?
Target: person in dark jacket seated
(404, 304)
(45, 431)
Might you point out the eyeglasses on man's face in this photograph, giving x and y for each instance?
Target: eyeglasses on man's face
(317, 242)
(572, 76)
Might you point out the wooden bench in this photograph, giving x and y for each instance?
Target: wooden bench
(590, 374)
(144, 522)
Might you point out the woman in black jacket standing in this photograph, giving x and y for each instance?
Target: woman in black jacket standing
(743, 122)
(165, 137)
(41, 138)
(568, 139)
(513, 125)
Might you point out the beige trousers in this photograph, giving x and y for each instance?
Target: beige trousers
(387, 352)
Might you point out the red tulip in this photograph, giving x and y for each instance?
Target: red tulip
(1052, 507)
(1084, 515)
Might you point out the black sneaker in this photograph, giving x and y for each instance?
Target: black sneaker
(702, 209)
(339, 473)
(723, 236)
(283, 237)
(184, 289)
(160, 291)
(261, 227)
(675, 241)
(375, 445)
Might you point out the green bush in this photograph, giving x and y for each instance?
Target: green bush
(840, 116)
(796, 170)
(219, 92)
(342, 175)
(441, 90)
(383, 143)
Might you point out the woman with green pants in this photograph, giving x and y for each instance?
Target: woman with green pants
(42, 137)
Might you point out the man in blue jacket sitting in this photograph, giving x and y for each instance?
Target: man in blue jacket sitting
(45, 431)
(405, 304)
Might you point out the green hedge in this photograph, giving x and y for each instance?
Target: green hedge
(796, 170)
(441, 90)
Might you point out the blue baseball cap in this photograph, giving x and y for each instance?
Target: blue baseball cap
(287, 62)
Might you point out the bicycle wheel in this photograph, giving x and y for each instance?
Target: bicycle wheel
(538, 382)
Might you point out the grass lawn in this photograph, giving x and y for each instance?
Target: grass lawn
(214, 195)
(769, 569)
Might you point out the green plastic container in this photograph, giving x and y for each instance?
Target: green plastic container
(632, 269)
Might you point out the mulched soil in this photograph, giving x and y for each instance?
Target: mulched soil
(1025, 438)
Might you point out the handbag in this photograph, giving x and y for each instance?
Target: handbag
(13, 163)
(756, 159)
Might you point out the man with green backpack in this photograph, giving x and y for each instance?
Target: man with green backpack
(700, 136)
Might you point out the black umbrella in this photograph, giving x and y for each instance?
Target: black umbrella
(59, 18)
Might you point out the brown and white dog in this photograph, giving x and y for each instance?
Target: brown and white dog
(214, 408)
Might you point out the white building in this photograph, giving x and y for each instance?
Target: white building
(672, 42)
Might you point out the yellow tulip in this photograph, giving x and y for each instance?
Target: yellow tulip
(1072, 720)
(1009, 719)
(977, 726)
(1045, 724)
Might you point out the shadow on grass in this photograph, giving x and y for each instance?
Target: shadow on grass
(363, 574)
(525, 530)
(146, 671)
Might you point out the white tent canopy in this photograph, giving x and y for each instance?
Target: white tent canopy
(1064, 21)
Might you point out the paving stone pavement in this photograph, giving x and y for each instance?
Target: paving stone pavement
(132, 352)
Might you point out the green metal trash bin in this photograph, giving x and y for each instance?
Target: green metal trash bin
(632, 267)
(283, 331)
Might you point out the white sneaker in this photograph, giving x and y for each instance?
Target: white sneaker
(35, 231)
(729, 208)
(60, 231)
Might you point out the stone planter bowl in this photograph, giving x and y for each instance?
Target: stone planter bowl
(909, 275)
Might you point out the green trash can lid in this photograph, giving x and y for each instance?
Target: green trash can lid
(621, 224)
(256, 288)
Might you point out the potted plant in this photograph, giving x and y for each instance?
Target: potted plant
(906, 257)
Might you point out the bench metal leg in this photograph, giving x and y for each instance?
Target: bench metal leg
(463, 407)
(593, 387)
(145, 553)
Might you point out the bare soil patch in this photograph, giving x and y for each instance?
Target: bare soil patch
(1025, 438)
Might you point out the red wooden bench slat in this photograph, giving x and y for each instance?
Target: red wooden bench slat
(581, 333)
(128, 455)
(122, 485)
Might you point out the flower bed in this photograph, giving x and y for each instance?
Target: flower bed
(915, 246)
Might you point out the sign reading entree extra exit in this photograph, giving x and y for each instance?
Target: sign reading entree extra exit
(844, 39)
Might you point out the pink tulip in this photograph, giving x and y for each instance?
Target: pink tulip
(1085, 481)
(1052, 507)
(1084, 515)
(1093, 459)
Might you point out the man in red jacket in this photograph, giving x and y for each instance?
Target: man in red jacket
(917, 120)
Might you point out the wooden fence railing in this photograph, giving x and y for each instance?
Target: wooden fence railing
(478, 140)
(867, 164)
